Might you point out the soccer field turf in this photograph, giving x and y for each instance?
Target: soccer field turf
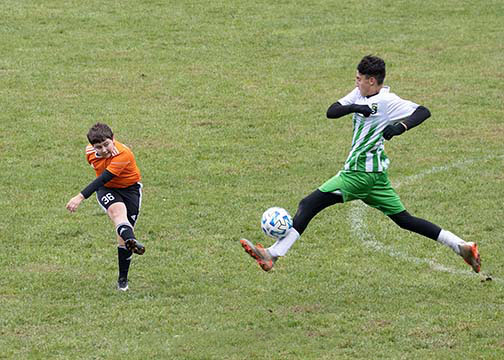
(223, 104)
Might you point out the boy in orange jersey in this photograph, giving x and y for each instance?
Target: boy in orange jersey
(118, 191)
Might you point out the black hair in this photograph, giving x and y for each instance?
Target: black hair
(372, 66)
(99, 133)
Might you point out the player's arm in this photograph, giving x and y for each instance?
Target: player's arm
(337, 110)
(101, 180)
(420, 114)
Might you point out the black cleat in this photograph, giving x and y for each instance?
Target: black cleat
(135, 246)
(122, 284)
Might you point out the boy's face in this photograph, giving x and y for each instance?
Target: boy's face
(105, 148)
(366, 85)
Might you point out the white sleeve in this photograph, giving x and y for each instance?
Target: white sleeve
(350, 98)
(399, 109)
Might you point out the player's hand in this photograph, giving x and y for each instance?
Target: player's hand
(74, 202)
(364, 110)
(393, 130)
(114, 152)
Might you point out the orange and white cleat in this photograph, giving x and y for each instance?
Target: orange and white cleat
(260, 254)
(470, 254)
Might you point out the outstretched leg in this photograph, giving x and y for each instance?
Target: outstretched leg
(312, 205)
(468, 250)
(417, 225)
(307, 209)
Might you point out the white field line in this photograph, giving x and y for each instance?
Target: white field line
(457, 164)
(360, 229)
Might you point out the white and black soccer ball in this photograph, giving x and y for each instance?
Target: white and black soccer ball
(276, 222)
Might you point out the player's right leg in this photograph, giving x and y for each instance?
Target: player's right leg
(311, 205)
(260, 254)
(122, 206)
(127, 243)
(307, 209)
(118, 214)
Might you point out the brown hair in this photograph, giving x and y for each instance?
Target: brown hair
(99, 133)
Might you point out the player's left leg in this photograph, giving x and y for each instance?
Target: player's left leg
(420, 226)
(124, 257)
(384, 198)
(467, 250)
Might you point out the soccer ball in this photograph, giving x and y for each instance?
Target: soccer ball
(275, 222)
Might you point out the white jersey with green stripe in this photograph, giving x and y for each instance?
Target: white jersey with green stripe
(367, 153)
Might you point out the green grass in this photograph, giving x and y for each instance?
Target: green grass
(223, 103)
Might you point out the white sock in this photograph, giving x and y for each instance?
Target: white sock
(451, 240)
(281, 247)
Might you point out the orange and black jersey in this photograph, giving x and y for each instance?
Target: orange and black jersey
(122, 166)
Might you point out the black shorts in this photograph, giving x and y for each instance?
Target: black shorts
(130, 196)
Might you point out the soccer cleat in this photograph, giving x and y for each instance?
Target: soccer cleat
(470, 254)
(122, 284)
(260, 254)
(135, 246)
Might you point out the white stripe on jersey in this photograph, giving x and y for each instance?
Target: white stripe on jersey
(367, 153)
(90, 149)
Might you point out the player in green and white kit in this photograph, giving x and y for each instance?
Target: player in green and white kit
(378, 115)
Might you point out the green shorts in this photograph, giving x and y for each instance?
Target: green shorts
(372, 188)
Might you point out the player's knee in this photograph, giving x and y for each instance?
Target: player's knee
(307, 205)
(113, 212)
(116, 210)
(402, 219)
(303, 204)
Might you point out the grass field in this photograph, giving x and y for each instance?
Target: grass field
(223, 103)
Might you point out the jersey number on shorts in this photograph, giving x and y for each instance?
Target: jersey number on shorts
(107, 198)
